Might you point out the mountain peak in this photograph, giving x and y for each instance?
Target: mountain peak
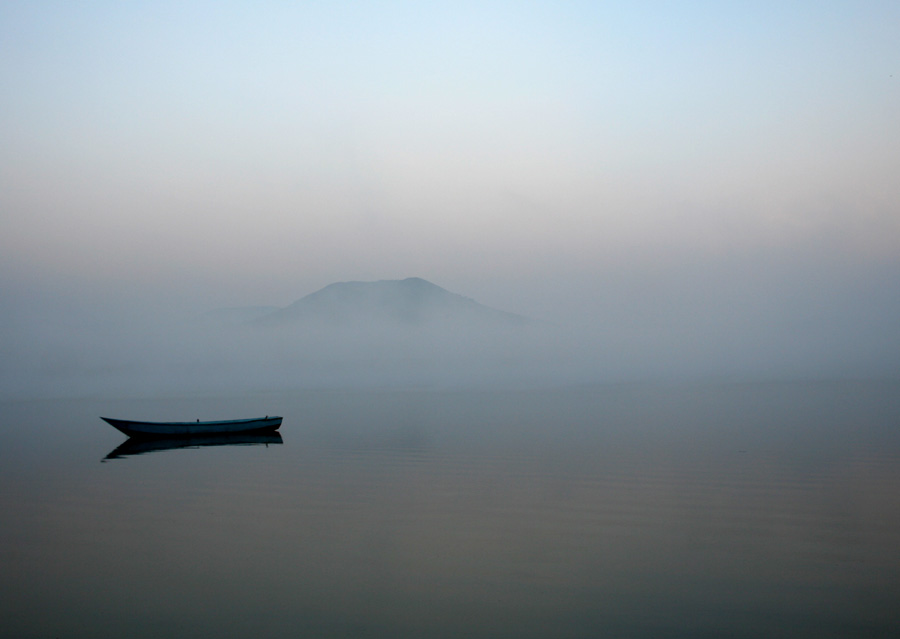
(411, 301)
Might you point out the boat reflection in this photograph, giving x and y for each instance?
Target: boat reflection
(139, 446)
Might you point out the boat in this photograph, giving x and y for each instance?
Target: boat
(193, 429)
(142, 445)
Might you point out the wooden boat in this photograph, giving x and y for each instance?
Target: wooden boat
(193, 429)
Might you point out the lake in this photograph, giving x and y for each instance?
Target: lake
(740, 510)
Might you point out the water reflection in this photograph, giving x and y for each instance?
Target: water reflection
(139, 446)
(740, 511)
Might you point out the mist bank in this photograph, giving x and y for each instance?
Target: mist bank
(706, 320)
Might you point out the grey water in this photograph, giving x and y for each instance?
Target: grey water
(667, 510)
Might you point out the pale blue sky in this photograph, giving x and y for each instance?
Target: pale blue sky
(258, 151)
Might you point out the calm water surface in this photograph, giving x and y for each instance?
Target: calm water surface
(622, 511)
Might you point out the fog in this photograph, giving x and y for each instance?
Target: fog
(690, 192)
(692, 318)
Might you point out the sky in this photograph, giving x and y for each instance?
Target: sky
(547, 158)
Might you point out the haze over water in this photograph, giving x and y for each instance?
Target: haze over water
(689, 191)
(587, 318)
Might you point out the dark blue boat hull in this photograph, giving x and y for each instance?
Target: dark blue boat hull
(194, 429)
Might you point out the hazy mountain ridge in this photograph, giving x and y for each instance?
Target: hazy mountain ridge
(409, 302)
(691, 322)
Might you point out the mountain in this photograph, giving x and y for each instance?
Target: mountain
(412, 301)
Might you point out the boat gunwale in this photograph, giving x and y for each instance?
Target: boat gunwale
(267, 418)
